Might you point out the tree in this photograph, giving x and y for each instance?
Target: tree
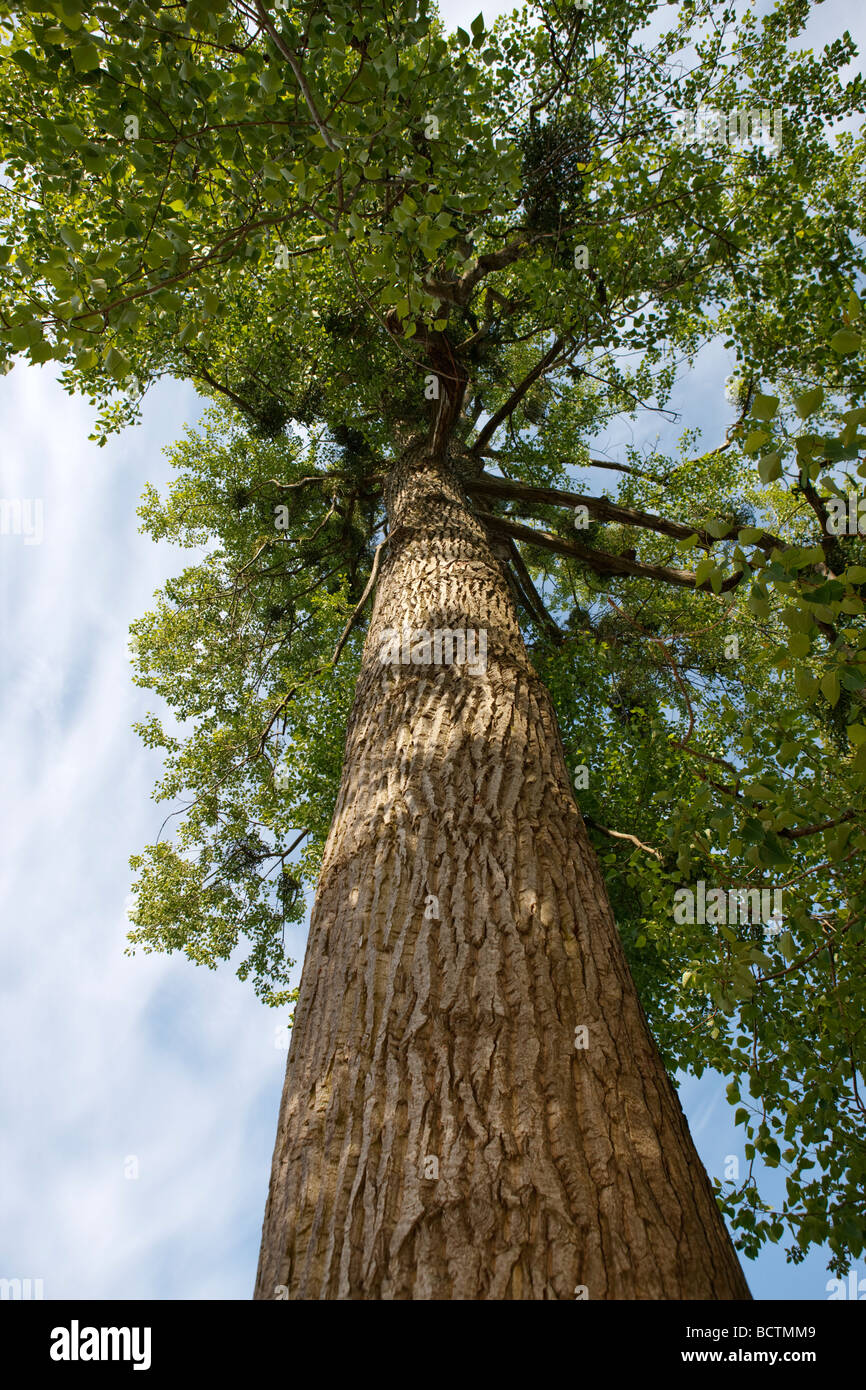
(404, 265)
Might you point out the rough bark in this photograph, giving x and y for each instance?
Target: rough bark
(461, 938)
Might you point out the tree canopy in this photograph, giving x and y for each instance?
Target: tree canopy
(350, 229)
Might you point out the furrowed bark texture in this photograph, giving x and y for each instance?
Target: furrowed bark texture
(461, 935)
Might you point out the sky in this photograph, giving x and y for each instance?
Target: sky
(139, 1096)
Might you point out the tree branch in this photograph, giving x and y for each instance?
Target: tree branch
(621, 835)
(535, 601)
(595, 463)
(374, 573)
(490, 486)
(293, 63)
(516, 396)
(815, 829)
(599, 560)
(459, 291)
(328, 665)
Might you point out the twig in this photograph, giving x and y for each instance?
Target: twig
(621, 835)
(363, 599)
(299, 77)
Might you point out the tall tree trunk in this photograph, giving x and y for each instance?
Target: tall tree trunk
(474, 1107)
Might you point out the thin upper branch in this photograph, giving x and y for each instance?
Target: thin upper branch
(621, 835)
(374, 573)
(516, 396)
(498, 455)
(293, 63)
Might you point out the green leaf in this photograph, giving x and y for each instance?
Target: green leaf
(70, 13)
(72, 238)
(764, 407)
(271, 79)
(799, 644)
(41, 352)
(757, 791)
(845, 342)
(704, 569)
(806, 684)
(771, 1154)
(809, 402)
(770, 466)
(755, 440)
(72, 133)
(85, 57)
(786, 945)
(117, 365)
(830, 687)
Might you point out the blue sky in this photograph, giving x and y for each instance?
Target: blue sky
(108, 1058)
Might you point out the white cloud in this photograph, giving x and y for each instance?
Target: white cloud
(111, 1055)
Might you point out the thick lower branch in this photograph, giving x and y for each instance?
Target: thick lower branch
(598, 560)
(600, 507)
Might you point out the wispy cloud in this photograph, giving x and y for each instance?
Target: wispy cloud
(107, 1056)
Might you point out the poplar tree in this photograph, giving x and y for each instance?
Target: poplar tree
(417, 275)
